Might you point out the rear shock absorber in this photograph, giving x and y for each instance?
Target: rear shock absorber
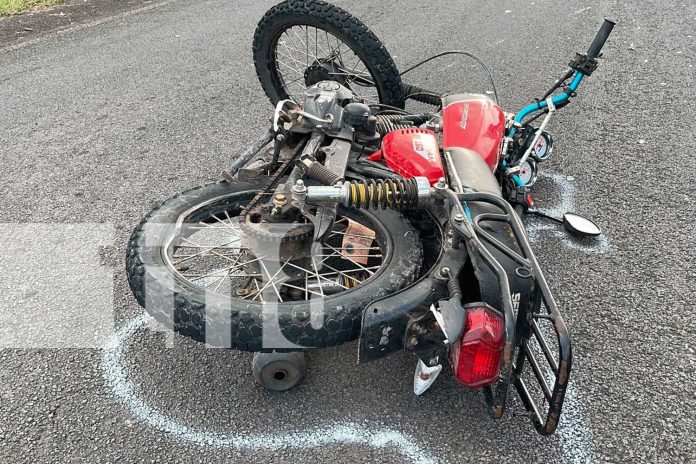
(371, 193)
(383, 193)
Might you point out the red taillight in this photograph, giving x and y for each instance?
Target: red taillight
(475, 357)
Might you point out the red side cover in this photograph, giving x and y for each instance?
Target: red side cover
(474, 122)
(412, 152)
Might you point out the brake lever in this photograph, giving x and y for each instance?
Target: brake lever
(280, 113)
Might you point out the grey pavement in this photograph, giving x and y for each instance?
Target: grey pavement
(101, 121)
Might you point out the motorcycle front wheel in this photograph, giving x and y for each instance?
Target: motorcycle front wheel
(191, 266)
(299, 43)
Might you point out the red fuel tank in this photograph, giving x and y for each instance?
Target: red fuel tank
(474, 122)
(412, 152)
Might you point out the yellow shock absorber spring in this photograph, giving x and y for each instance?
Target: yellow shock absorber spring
(383, 193)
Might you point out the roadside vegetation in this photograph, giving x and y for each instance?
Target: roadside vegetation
(8, 7)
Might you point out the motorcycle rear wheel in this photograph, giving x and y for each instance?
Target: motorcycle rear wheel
(225, 319)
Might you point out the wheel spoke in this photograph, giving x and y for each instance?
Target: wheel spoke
(316, 272)
(272, 278)
(348, 259)
(226, 224)
(351, 234)
(210, 250)
(231, 268)
(289, 67)
(316, 45)
(298, 48)
(258, 290)
(306, 289)
(287, 84)
(342, 273)
(205, 251)
(290, 58)
(296, 70)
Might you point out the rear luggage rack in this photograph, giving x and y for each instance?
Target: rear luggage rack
(550, 367)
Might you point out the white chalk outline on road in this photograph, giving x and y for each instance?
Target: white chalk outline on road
(536, 226)
(574, 430)
(118, 380)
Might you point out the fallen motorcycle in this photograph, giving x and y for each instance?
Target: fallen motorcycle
(352, 218)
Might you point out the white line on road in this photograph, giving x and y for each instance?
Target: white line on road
(88, 25)
(120, 384)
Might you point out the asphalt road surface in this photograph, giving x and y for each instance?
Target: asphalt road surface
(101, 121)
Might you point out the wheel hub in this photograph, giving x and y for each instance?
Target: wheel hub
(276, 239)
(321, 71)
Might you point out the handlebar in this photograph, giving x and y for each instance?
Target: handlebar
(580, 66)
(599, 40)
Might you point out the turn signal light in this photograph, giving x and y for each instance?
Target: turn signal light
(475, 357)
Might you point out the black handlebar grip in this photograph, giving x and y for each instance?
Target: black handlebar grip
(422, 95)
(600, 39)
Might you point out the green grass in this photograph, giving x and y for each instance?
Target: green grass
(8, 7)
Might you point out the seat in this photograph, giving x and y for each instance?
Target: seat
(473, 171)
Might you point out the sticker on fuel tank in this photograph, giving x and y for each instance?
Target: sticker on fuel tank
(425, 146)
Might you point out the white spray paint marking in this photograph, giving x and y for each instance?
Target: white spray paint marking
(536, 227)
(118, 380)
(575, 432)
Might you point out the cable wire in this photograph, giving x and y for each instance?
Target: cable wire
(459, 52)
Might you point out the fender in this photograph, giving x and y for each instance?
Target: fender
(385, 320)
